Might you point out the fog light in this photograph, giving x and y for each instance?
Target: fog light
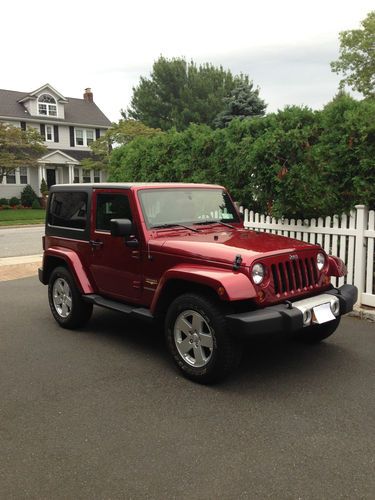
(335, 307)
(307, 317)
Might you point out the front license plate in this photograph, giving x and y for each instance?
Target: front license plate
(323, 313)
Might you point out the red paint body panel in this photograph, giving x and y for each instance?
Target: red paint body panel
(75, 265)
(336, 267)
(237, 285)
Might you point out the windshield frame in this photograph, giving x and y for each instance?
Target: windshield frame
(150, 225)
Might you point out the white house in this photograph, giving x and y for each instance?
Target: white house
(68, 126)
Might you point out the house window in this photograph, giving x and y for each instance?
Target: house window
(76, 175)
(96, 175)
(79, 137)
(89, 137)
(84, 137)
(49, 133)
(23, 175)
(17, 176)
(86, 175)
(47, 105)
(11, 177)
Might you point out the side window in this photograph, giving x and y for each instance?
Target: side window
(111, 206)
(68, 209)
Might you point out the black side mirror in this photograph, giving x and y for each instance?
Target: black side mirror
(121, 227)
(242, 216)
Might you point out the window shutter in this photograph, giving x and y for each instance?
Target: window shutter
(56, 132)
(23, 125)
(71, 130)
(43, 131)
(97, 133)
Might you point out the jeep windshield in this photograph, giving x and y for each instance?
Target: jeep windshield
(173, 207)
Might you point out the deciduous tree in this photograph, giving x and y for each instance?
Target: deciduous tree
(357, 57)
(18, 148)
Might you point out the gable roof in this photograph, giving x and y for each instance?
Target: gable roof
(47, 86)
(77, 111)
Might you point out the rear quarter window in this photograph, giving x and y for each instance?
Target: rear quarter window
(68, 209)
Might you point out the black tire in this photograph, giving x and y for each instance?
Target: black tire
(316, 333)
(217, 358)
(73, 312)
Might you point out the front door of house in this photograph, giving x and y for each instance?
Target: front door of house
(51, 177)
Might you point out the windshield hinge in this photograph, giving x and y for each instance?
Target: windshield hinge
(237, 262)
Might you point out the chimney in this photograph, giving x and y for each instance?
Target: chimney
(88, 95)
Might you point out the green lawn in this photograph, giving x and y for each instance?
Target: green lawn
(14, 217)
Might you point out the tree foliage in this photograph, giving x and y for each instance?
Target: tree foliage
(243, 102)
(119, 133)
(18, 148)
(178, 93)
(357, 57)
(294, 163)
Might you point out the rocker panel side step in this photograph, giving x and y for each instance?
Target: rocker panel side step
(133, 311)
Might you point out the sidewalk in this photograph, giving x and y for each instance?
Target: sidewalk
(12, 268)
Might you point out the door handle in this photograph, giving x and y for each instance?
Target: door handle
(96, 243)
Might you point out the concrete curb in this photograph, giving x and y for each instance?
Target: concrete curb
(20, 226)
(363, 313)
(21, 259)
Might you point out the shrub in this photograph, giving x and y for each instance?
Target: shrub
(6, 207)
(28, 196)
(35, 204)
(4, 201)
(14, 201)
(43, 187)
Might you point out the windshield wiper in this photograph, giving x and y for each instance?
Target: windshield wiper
(213, 222)
(165, 226)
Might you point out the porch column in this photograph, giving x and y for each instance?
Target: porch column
(40, 176)
(71, 174)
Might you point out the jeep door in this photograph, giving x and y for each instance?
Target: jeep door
(115, 261)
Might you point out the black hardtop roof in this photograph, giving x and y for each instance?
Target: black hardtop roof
(127, 185)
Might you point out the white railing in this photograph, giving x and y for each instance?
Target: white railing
(350, 237)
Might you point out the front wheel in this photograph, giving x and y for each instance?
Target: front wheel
(316, 333)
(197, 338)
(65, 300)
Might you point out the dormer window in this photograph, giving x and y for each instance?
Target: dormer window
(47, 105)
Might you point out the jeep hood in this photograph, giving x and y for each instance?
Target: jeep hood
(224, 245)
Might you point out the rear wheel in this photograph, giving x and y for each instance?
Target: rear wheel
(65, 300)
(316, 333)
(197, 338)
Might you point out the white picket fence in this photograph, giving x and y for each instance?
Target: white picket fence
(350, 237)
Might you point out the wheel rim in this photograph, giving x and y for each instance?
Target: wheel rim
(193, 338)
(62, 297)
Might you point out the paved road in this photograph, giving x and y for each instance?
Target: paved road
(21, 241)
(101, 413)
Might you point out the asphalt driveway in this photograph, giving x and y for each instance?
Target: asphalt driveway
(101, 413)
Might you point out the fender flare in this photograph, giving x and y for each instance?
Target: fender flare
(70, 257)
(336, 267)
(236, 285)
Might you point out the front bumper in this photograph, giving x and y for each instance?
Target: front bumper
(288, 317)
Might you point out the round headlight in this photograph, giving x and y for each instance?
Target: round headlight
(257, 273)
(320, 261)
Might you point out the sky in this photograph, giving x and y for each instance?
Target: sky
(284, 46)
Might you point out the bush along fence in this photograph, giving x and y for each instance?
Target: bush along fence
(350, 237)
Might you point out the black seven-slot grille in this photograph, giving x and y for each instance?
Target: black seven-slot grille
(295, 275)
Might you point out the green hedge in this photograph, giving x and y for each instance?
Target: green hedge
(294, 163)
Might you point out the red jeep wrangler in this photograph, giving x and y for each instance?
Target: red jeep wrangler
(179, 253)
